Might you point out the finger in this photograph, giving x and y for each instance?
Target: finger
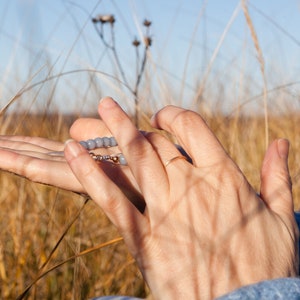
(38, 154)
(276, 188)
(142, 159)
(30, 143)
(192, 134)
(87, 128)
(104, 192)
(56, 173)
(170, 155)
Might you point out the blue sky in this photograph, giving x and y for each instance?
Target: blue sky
(193, 41)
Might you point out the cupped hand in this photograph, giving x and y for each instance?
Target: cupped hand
(42, 160)
(35, 159)
(204, 231)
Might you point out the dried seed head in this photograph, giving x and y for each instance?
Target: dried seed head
(104, 19)
(148, 41)
(147, 23)
(136, 42)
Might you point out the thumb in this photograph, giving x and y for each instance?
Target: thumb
(276, 187)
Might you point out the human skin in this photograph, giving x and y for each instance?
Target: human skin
(204, 231)
(31, 157)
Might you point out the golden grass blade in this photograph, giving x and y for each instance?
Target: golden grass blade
(21, 91)
(87, 251)
(215, 53)
(262, 67)
(64, 233)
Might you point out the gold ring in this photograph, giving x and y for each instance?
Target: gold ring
(175, 158)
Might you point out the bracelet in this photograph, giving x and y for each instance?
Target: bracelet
(104, 142)
(108, 142)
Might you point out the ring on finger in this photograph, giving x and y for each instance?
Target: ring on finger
(174, 158)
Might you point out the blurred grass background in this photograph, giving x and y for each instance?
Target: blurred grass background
(36, 219)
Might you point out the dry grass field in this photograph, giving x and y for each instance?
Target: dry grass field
(87, 257)
(55, 244)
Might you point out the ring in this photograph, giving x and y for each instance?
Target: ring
(175, 158)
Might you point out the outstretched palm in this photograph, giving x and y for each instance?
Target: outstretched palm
(42, 160)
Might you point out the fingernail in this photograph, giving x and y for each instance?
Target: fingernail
(73, 148)
(143, 132)
(153, 120)
(283, 148)
(107, 102)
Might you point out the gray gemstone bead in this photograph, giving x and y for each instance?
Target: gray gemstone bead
(122, 160)
(83, 144)
(91, 144)
(106, 142)
(99, 142)
(113, 142)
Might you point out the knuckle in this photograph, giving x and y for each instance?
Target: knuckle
(24, 167)
(110, 203)
(87, 171)
(138, 148)
(186, 118)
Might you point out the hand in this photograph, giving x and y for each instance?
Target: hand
(35, 159)
(204, 231)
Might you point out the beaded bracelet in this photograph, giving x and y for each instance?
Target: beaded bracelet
(99, 142)
(104, 142)
(107, 142)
